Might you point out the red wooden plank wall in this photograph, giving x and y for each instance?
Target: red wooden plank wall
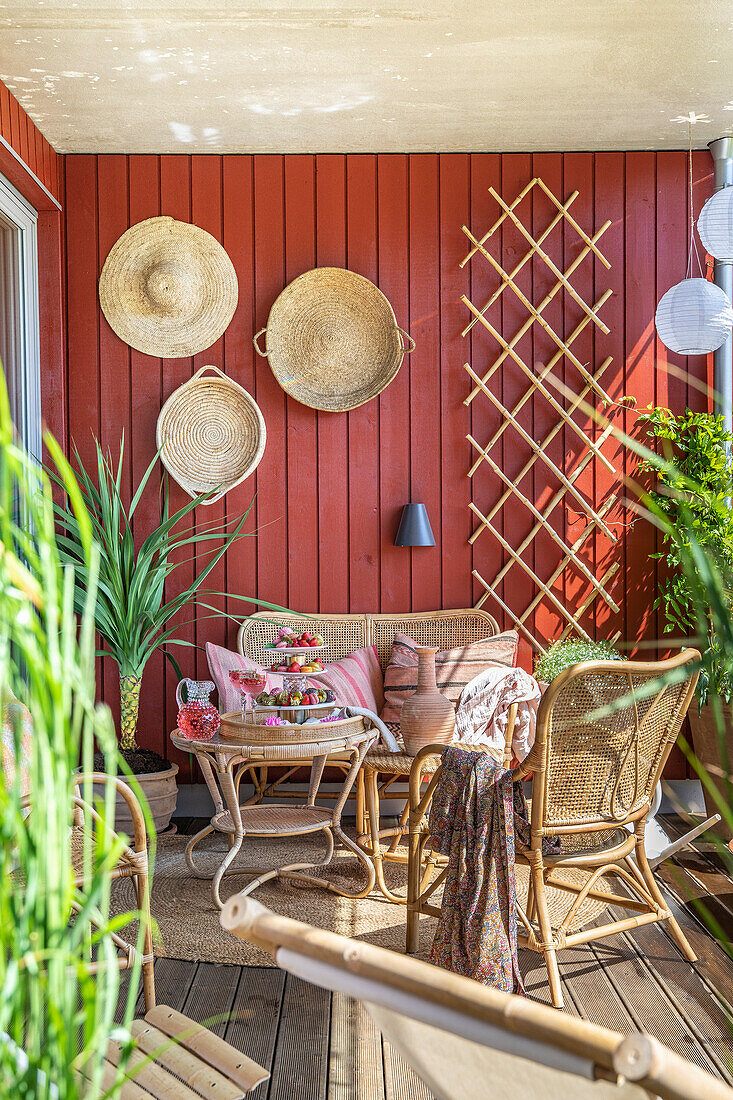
(22, 134)
(330, 487)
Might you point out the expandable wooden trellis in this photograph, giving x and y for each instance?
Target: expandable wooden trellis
(540, 383)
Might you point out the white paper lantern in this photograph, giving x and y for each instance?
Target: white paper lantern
(694, 317)
(715, 224)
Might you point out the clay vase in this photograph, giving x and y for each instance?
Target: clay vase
(427, 717)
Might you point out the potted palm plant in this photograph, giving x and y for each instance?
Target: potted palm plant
(693, 491)
(133, 618)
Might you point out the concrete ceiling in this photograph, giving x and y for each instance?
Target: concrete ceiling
(351, 76)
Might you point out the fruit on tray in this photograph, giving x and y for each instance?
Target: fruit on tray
(309, 696)
(288, 639)
(290, 664)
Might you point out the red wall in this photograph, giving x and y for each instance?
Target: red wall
(30, 146)
(36, 170)
(331, 486)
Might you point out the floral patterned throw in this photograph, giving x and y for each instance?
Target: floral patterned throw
(472, 821)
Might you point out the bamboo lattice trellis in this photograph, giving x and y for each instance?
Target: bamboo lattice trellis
(541, 384)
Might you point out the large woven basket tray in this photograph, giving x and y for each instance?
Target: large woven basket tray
(332, 340)
(212, 434)
(234, 729)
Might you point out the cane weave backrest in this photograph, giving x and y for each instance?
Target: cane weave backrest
(604, 732)
(345, 633)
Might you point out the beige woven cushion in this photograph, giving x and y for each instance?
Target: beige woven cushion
(454, 668)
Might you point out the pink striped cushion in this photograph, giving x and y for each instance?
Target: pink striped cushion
(221, 662)
(357, 680)
(454, 668)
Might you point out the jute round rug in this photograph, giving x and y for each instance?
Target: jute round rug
(187, 921)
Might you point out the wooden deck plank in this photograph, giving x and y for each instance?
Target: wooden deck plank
(301, 1052)
(692, 996)
(211, 995)
(645, 999)
(256, 1016)
(355, 1069)
(708, 875)
(714, 964)
(591, 991)
(400, 1082)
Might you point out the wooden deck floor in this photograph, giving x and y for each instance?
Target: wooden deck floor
(320, 1047)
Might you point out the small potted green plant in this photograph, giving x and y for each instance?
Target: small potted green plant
(693, 492)
(562, 655)
(133, 618)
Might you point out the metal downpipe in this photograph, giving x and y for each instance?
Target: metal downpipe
(722, 153)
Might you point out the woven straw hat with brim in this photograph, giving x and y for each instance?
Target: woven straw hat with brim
(168, 288)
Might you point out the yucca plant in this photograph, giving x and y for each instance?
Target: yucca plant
(132, 616)
(57, 1011)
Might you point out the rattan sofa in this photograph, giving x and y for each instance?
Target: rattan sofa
(345, 633)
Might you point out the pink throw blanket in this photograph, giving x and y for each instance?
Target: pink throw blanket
(483, 711)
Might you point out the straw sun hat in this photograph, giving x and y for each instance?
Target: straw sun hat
(168, 288)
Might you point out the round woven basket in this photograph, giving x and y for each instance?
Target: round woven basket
(234, 729)
(211, 434)
(168, 288)
(332, 340)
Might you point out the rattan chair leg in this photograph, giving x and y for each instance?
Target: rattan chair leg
(373, 845)
(414, 868)
(361, 824)
(547, 942)
(648, 875)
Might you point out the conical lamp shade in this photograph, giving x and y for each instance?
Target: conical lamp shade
(414, 529)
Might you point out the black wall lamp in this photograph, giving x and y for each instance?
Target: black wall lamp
(414, 529)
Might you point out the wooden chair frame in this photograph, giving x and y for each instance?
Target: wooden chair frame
(397, 987)
(625, 859)
(176, 1058)
(370, 833)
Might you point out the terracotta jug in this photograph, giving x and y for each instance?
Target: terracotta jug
(427, 717)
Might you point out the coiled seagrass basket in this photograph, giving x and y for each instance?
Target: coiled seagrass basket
(211, 433)
(332, 340)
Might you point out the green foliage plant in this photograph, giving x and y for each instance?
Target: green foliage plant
(56, 1011)
(562, 655)
(694, 486)
(133, 617)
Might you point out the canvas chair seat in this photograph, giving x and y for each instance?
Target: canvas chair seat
(465, 1039)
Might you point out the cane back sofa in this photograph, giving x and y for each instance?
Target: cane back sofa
(343, 634)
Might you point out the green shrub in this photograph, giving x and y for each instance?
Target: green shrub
(562, 655)
(694, 486)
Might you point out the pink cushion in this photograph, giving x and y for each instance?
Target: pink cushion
(454, 668)
(221, 662)
(357, 680)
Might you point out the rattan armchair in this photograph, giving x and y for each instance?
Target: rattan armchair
(604, 732)
(176, 1058)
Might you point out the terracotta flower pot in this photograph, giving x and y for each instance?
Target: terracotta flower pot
(427, 717)
(161, 792)
(707, 749)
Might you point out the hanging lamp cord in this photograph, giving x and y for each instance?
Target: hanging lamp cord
(693, 243)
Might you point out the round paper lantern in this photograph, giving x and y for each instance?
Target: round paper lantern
(715, 224)
(694, 317)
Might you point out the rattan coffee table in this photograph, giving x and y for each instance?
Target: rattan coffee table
(224, 762)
